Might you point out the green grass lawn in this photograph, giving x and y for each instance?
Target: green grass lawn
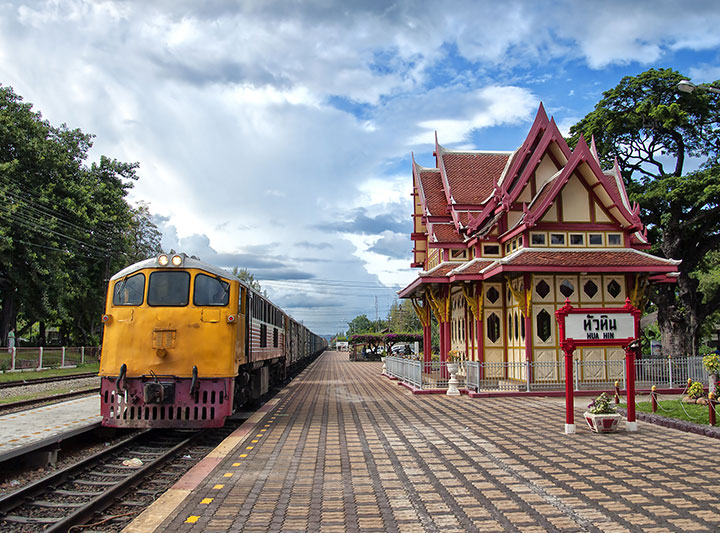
(32, 374)
(677, 409)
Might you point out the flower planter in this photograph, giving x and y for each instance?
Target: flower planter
(606, 423)
(452, 369)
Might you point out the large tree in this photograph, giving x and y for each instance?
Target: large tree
(64, 225)
(667, 145)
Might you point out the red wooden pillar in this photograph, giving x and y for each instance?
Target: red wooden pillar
(568, 348)
(466, 332)
(427, 334)
(480, 346)
(631, 424)
(479, 333)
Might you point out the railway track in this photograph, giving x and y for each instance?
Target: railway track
(81, 492)
(36, 381)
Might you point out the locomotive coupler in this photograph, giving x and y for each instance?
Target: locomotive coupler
(158, 392)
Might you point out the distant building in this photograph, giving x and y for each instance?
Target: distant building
(504, 238)
(341, 346)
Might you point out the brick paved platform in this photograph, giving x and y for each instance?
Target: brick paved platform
(345, 449)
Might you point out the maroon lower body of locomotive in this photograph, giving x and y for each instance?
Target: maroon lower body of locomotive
(165, 401)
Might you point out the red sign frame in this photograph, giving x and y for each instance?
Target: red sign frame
(568, 346)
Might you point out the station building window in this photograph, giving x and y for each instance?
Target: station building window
(557, 239)
(493, 327)
(538, 239)
(590, 288)
(491, 249)
(614, 239)
(595, 239)
(567, 288)
(543, 323)
(577, 239)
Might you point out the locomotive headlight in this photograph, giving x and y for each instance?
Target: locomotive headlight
(177, 260)
(231, 319)
(163, 260)
(106, 318)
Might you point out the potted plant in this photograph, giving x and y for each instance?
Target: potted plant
(453, 362)
(453, 365)
(601, 415)
(695, 393)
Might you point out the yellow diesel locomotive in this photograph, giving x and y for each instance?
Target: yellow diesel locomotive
(185, 344)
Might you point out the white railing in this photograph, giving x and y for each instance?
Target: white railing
(43, 357)
(547, 376)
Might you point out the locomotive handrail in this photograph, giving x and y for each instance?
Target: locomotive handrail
(121, 378)
(194, 383)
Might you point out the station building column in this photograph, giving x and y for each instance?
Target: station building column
(424, 314)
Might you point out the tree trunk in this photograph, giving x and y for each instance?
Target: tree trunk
(7, 315)
(679, 327)
(41, 337)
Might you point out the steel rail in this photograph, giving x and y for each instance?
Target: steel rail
(80, 514)
(109, 496)
(36, 381)
(20, 496)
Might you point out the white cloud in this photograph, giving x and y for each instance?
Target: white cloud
(487, 107)
(255, 123)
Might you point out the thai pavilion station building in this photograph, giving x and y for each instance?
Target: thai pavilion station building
(504, 238)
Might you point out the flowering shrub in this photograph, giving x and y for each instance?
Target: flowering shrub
(601, 405)
(695, 390)
(711, 363)
(453, 357)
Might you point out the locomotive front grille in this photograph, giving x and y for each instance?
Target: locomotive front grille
(206, 407)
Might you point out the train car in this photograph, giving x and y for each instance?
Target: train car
(185, 344)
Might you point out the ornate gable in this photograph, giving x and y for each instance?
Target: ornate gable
(542, 195)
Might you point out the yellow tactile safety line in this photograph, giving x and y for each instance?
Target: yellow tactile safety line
(150, 519)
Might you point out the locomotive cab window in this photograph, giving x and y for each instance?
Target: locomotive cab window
(169, 289)
(210, 290)
(129, 291)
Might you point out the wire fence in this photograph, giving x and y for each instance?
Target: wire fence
(546, 375)
(45, 357)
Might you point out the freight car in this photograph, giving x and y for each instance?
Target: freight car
(186, 344)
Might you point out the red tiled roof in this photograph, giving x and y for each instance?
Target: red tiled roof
(471, 175)
(433, 190)
(464, 217)
(440, 271)
(474, 268)
(589, 259)
(446, 233)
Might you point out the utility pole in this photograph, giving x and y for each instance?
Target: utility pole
(376, 314)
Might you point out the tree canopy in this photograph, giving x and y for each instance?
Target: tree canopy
(64, 225)
(667, 146)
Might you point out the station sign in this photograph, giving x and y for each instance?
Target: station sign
(600, 326)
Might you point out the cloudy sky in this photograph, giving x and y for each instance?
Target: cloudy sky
(276, 135)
